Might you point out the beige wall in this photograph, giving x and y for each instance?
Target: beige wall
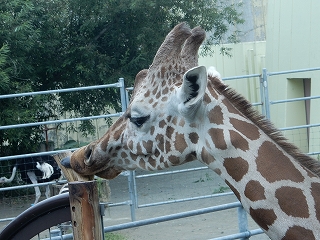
(293, 34)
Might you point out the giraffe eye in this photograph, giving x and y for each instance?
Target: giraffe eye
(138, 121)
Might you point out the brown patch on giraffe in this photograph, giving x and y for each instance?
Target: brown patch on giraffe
(169, 132)
(212, 91)
(315, 191)
(105, 143)
(275, 166)
(234, 190)
(164, 99)
(160, 142)
(263, 217)
(158, 95)
(174, 160)
(230, 107)
(163, 71)
(147, 94)
(254, 191)
(206, 157)
(194, 137)
(215, 115)
(127, 161)
(292, 201)
(153, 162)
(174, 120)
(155, 105)
(152, 128)
(247, 129)
(180, 143)
(236, 167)
(298, 232)
(154, 91)
(162, 123)
(124, 154)
(139, 148)
(206, 98)
(130, 144)
(133, 156)
(217, 137)
(150, 100)
(238, 141)
(168, 146)
(181, 122)
(165, 90)
(148, 145)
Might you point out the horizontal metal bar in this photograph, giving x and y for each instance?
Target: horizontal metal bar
(241, 77)
(59, 90)
(245, 234)
(6, 219)
(313, 153)
(31, 185)
(108, 204)
(293, 71)
(60, 121)
(294, 99)
(298, 127)
(185, 199)
(35, 154)
(256, 104)
(170, 172)
(172, 217)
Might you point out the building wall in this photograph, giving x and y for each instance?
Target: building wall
(293, 35)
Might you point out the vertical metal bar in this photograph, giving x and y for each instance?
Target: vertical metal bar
(123, 95)
(132, 194)
(266, 101)
(262, 99)
(242, 221)
(131, 175)
(102, 210)
(127, 97)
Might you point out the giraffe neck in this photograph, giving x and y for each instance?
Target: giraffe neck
(278, 191)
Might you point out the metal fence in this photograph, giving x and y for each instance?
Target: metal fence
(265, 103)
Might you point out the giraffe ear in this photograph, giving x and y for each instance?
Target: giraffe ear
(192, 89)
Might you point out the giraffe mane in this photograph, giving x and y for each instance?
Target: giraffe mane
(245, 107)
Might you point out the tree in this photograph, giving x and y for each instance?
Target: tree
(70, 43)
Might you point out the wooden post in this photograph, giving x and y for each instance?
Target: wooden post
(85, 210)
(84, 203)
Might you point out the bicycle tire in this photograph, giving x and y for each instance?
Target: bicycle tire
(38, 218)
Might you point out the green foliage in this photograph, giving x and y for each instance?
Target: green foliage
(48, 44)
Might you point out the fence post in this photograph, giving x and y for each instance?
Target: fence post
(85, 210)
(131, 174)
(242, 221)
(265, 95)
(123, 95)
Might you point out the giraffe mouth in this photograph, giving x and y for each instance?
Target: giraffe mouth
(80, 164)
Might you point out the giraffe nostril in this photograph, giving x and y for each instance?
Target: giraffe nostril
(87, 156)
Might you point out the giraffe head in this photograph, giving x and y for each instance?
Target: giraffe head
(158, 130)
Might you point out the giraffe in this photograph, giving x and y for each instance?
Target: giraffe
(180, 112)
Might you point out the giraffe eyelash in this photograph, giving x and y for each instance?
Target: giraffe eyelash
(138, 121)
